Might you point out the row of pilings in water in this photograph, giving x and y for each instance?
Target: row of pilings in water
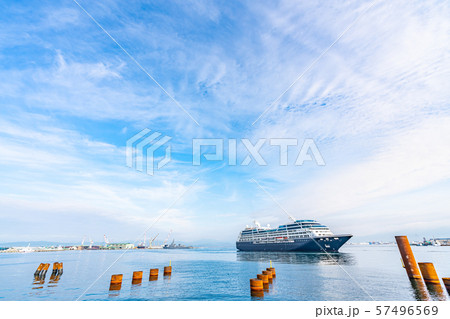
(260, 284)
(41, 272)
(423, 275)
(116, 280)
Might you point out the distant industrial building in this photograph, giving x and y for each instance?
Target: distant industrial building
(119, 246)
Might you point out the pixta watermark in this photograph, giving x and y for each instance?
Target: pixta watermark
(142, 147)
(141, 150)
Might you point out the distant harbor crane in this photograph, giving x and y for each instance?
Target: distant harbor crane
(167, 239)
(106, 240)
(151, 242)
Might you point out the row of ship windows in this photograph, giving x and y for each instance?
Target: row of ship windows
(279, 230)
(284, 234)
(265, 237)
(250, 237)
(281, 235)
(272, 239)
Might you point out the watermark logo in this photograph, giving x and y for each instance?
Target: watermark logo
(141, 148)
(308, 151)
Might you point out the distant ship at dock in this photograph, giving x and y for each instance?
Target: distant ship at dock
(176, 246)
(432, 242)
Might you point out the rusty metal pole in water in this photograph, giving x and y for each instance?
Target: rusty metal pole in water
(408, 257)
(39, 269)
(265, 280)
(60, 268)
(256, 287)
(116, 282)
(269, 274)
(432, 281)
(44, 269)
(429, 273)
(137, 277)
(153, 274)
(55, 268)
(273, 271)
(167, 270)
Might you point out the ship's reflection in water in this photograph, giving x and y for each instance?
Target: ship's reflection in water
(296, 257)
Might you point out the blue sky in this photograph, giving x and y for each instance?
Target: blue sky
(376, 104)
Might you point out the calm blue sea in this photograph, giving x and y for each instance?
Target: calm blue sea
(219, 275)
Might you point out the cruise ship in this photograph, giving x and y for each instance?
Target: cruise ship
(301, 235)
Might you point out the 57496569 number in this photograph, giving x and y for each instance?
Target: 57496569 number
(404, 310)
